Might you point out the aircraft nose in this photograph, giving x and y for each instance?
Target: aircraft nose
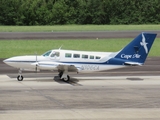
(9, 61)
(5, 61)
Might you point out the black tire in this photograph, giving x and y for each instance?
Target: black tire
(60, 74)
(20, 78)
(66, 79)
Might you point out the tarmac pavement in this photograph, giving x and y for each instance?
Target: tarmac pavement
(101, 98)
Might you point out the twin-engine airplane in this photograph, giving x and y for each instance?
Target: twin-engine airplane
(134, 54)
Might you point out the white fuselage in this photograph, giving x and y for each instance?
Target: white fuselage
(84, 61)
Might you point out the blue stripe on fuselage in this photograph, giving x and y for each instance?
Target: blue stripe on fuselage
(21, 61)
(112, 61)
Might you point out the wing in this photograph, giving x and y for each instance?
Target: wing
(58, 66)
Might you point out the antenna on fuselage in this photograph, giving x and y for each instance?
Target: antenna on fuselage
(60, 47)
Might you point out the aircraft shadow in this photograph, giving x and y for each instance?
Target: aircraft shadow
(72, 81)
(135, 79)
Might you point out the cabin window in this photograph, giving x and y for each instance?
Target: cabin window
(76, 55)
(68, 55)
(91, 57)
(97, 57)
(55, 54)
(85, 56)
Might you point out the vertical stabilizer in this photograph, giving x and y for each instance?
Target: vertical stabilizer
(138, 49)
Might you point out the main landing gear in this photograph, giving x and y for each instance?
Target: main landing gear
(20, 77)
(63, 75)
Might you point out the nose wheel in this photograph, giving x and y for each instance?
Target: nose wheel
(20, 77)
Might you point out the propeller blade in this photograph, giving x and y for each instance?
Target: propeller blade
(36, 69)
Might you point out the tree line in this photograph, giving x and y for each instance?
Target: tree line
(52, 12)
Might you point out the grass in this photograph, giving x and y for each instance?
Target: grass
(56, 28)
(9, 48)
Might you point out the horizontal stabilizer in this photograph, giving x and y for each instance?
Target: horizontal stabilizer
(133, 63)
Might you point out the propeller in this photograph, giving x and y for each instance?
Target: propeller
(36, 68)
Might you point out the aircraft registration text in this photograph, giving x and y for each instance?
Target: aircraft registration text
(90, 67)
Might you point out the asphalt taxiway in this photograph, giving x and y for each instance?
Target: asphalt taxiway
(83, 98)
(72, 35)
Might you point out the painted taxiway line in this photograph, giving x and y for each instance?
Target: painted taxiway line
(82, 114)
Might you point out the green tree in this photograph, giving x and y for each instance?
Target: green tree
(51, 12)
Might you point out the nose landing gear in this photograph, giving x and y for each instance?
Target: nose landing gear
(20, 77)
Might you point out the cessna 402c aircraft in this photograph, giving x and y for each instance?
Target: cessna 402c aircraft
(134, 54)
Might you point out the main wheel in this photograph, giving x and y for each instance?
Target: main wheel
(66, 79)
(19, 77)
(60, 74)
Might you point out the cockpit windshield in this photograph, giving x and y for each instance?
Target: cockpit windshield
(55, 54)
(52, 54)
(47, 53)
